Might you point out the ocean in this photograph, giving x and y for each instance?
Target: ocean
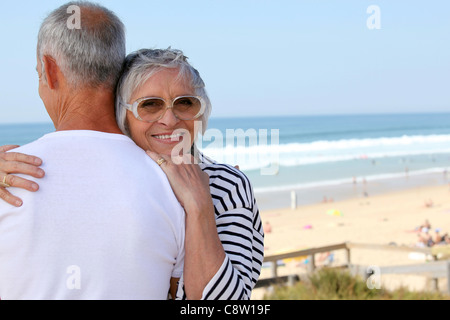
(317, 157)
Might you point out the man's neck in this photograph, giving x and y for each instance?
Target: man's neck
(91, 109)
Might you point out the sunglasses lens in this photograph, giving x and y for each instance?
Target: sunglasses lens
(184, 108)
(187, 108)
(151, 109)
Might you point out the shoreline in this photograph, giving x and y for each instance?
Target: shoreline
(339, 190)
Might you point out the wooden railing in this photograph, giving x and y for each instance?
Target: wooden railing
(311, 252)
(434, 269)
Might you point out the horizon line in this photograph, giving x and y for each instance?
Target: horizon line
(277, 116)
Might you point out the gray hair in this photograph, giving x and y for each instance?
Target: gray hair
(141, 65)
(89, 56)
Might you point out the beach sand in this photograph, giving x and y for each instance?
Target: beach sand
(389, 218)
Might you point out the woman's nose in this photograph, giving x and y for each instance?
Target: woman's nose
(169, 118)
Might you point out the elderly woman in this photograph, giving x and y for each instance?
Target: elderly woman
(159, 100)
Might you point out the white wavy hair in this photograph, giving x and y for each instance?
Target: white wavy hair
(141, 65)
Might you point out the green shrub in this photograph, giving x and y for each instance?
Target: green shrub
(334, 284)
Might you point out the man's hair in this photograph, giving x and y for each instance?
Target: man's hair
(91, 55)
(141, 65)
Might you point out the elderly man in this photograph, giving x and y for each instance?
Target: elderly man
(105, 223)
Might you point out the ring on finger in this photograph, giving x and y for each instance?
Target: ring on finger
(4, 184)
(160, 161)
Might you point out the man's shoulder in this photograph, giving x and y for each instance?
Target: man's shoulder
(77, 140)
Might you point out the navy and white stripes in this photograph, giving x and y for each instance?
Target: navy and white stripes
(240, 231)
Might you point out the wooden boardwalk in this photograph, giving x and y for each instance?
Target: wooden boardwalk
(433, 269)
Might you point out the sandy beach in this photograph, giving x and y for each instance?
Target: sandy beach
(386, 218)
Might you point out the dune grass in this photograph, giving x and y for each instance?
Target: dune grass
(335, 284)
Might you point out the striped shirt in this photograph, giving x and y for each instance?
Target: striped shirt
(240, 231)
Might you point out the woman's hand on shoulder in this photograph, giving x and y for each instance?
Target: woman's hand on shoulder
(14, 162)
(189, 183)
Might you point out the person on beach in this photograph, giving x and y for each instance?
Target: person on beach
(159, 99)
(105, 223)
(425, 238)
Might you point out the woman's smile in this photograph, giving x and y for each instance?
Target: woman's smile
(168, 138)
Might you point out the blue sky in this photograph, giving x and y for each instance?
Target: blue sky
(266, 57)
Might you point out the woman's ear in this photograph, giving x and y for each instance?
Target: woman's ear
(52, 72)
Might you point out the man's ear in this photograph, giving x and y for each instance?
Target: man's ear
(52, 72)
